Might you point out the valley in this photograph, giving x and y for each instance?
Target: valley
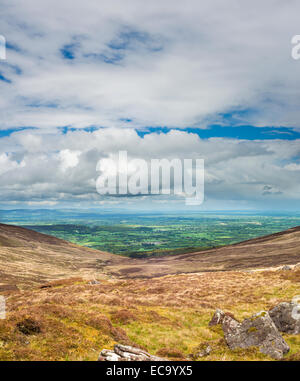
(68, 302)
(145, 234)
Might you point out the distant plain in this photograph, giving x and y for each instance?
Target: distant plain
(147, 234)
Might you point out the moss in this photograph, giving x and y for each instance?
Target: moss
(261, 314)
(252, 329)
(294, 357)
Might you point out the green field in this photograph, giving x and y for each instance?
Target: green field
(140, 235)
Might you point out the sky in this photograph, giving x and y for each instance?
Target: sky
(160, 79)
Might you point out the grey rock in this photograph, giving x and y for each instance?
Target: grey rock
(286, 317)
(93, 282)
(258, 331)
(204, 352)
(217, 318)
(127, 353)
(286, 268)
(230, 328)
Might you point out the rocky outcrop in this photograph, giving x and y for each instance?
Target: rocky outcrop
(286, 316)
(257, 331)
(127, 353)
(217, 318)
(286, 268)
(202, 350)
(93, 282)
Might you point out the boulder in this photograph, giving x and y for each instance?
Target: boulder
(286, 268)
(127, 353)
(286, 317)
(93, 282)
(217, 318)
(258, 331)
(202, 350)
(230, 328)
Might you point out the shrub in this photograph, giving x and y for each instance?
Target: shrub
(29, 326)
(123, 316)
(170, 352)
(100, 322)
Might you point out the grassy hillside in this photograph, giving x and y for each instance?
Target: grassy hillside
(268, 251)
(73, 320)
(30, 258)
(160, 304)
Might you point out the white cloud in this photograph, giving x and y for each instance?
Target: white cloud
(6, 164)
(292, 167)
(68, 159)
(141, 64)
(160, 63)
(41, 203)
(237, 172)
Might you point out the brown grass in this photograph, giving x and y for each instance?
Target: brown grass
(29, 258)
(61, 282)
(123, 316)
(293, 276)
(170, 353)
(167, 316)
(28, 326)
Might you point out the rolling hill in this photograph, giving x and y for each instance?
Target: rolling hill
(149, 303)
(28, 258)
(268, 251)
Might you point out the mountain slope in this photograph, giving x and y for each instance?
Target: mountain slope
(74, 319)
(28, 258)
(268, 251)
(168, 316)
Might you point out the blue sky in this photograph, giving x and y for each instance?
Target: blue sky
(210, 80)
(213, 131)
(240, 132)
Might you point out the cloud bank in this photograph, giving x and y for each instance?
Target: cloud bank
(61, 167)
(81, 78)
(154, 63)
